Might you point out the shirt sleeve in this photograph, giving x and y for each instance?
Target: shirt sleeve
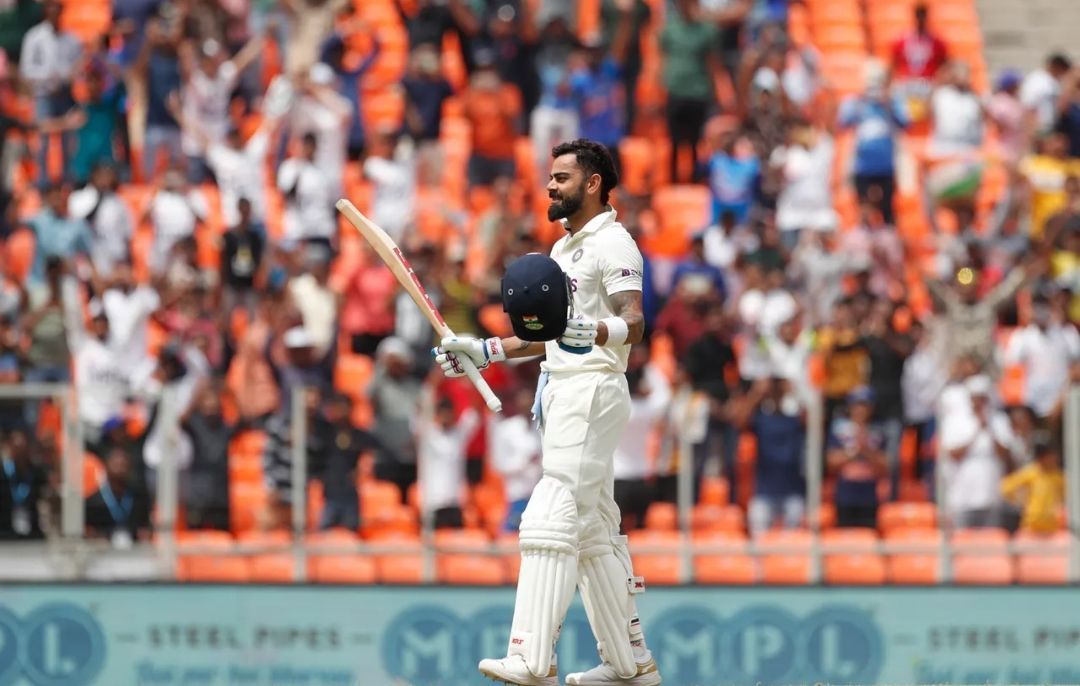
(622, 264)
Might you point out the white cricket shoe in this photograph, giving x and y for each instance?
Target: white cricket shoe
(512, 670)
(605, 675)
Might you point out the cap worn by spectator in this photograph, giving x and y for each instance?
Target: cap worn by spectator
(393, 347)
(297, 338)
(765, 79)
(979, 385)
(1008, 79)
(861, 395)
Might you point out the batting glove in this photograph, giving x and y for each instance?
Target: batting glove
(579, 337)
(452, 349)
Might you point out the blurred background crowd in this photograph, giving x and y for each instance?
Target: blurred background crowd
(833, 198)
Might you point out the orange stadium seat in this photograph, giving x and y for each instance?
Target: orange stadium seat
(278, 568)
(989, 570)
(246, 501)
(93, 472)
(276, 538)
(215, 569)
(1044, 567)
(892, 516)
(659, 568)
(723, 568)
(714, 490)
(712, 517)
(342, 569)
(790, 567)
(405, 567)
(662, 517)
(352, 374)
(913, 569)
(19, 253)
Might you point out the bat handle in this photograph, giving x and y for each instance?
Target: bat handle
(492, 400)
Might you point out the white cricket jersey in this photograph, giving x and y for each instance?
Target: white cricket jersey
(601, 259)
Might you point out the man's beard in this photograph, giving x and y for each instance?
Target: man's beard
(568, 205)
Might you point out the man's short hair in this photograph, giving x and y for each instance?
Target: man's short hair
(594, 158)
(1060, 61)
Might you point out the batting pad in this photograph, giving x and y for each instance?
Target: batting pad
(548, 541)
(608, 586)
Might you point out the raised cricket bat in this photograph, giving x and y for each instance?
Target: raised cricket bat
(391, 254)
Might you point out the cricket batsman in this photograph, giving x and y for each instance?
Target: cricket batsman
(581, 309)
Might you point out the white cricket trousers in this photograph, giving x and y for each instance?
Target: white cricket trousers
(584, 414)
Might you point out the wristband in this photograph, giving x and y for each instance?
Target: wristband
(617, 331)
(493, 349)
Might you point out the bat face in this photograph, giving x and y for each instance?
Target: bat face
(416, 280)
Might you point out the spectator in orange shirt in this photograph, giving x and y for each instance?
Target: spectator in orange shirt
(494, 109)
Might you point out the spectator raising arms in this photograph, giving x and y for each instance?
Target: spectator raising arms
(441, 438)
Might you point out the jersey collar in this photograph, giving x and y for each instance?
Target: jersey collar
(595, 224)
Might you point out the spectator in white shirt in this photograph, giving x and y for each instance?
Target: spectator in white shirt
(1040, 91)
(309, 198)
(391, 168)
(805, 168)
(109, 218)
(1047, 350)
(441, 441)
(174, 212)
(515, 454)
(921, 383)
(102, 376)
(957, 113)
(312, 296)
(322, 111)
(650, 397)
(129, 307)
(209, 82)
(975, 440)
(48, 62)
(237, 165)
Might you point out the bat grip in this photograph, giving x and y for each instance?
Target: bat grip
(490, 399)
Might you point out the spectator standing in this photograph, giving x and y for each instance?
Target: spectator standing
(975, 440)
(209, 79)
(48, 62)
(119, 510)
(56, 234)
(441, 439)
(805, 167)
(394, 395)
(1044, 176)
(596, 82)
(23, 488)
(695, 263)
(1006, 111)
(175, 211)
(874, 246)
(108, 215)
(957, 114)
(650, 398)
(689, 43)
(877, 119)
(129, 307)
(887, 349)
(206, 498)
(611, 17)
(426, 89)
(158, 66)
(434, 19)
(846, 359)
(309, 203)
(243, 248)
(313, 298)
(916, 59)
(391, 167)
(367, 315)
(734, 177)
(515, 454)
(93, 122)
(493, 109)
(12, 411)
(1068, 120)
(709, 363)
(555, 117)
(1040, 92)
(1039, 487)
(338, 445)
(773, 413)
(348, 79)
(321, 111)
(682, 317)
(45, 322)
(921, 383)
(1047, 349)
(856, 456)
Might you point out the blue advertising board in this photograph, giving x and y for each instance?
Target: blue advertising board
(57, 635)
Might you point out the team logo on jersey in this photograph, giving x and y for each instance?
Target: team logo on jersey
(577, 254)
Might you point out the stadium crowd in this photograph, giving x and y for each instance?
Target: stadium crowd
(171, 249)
